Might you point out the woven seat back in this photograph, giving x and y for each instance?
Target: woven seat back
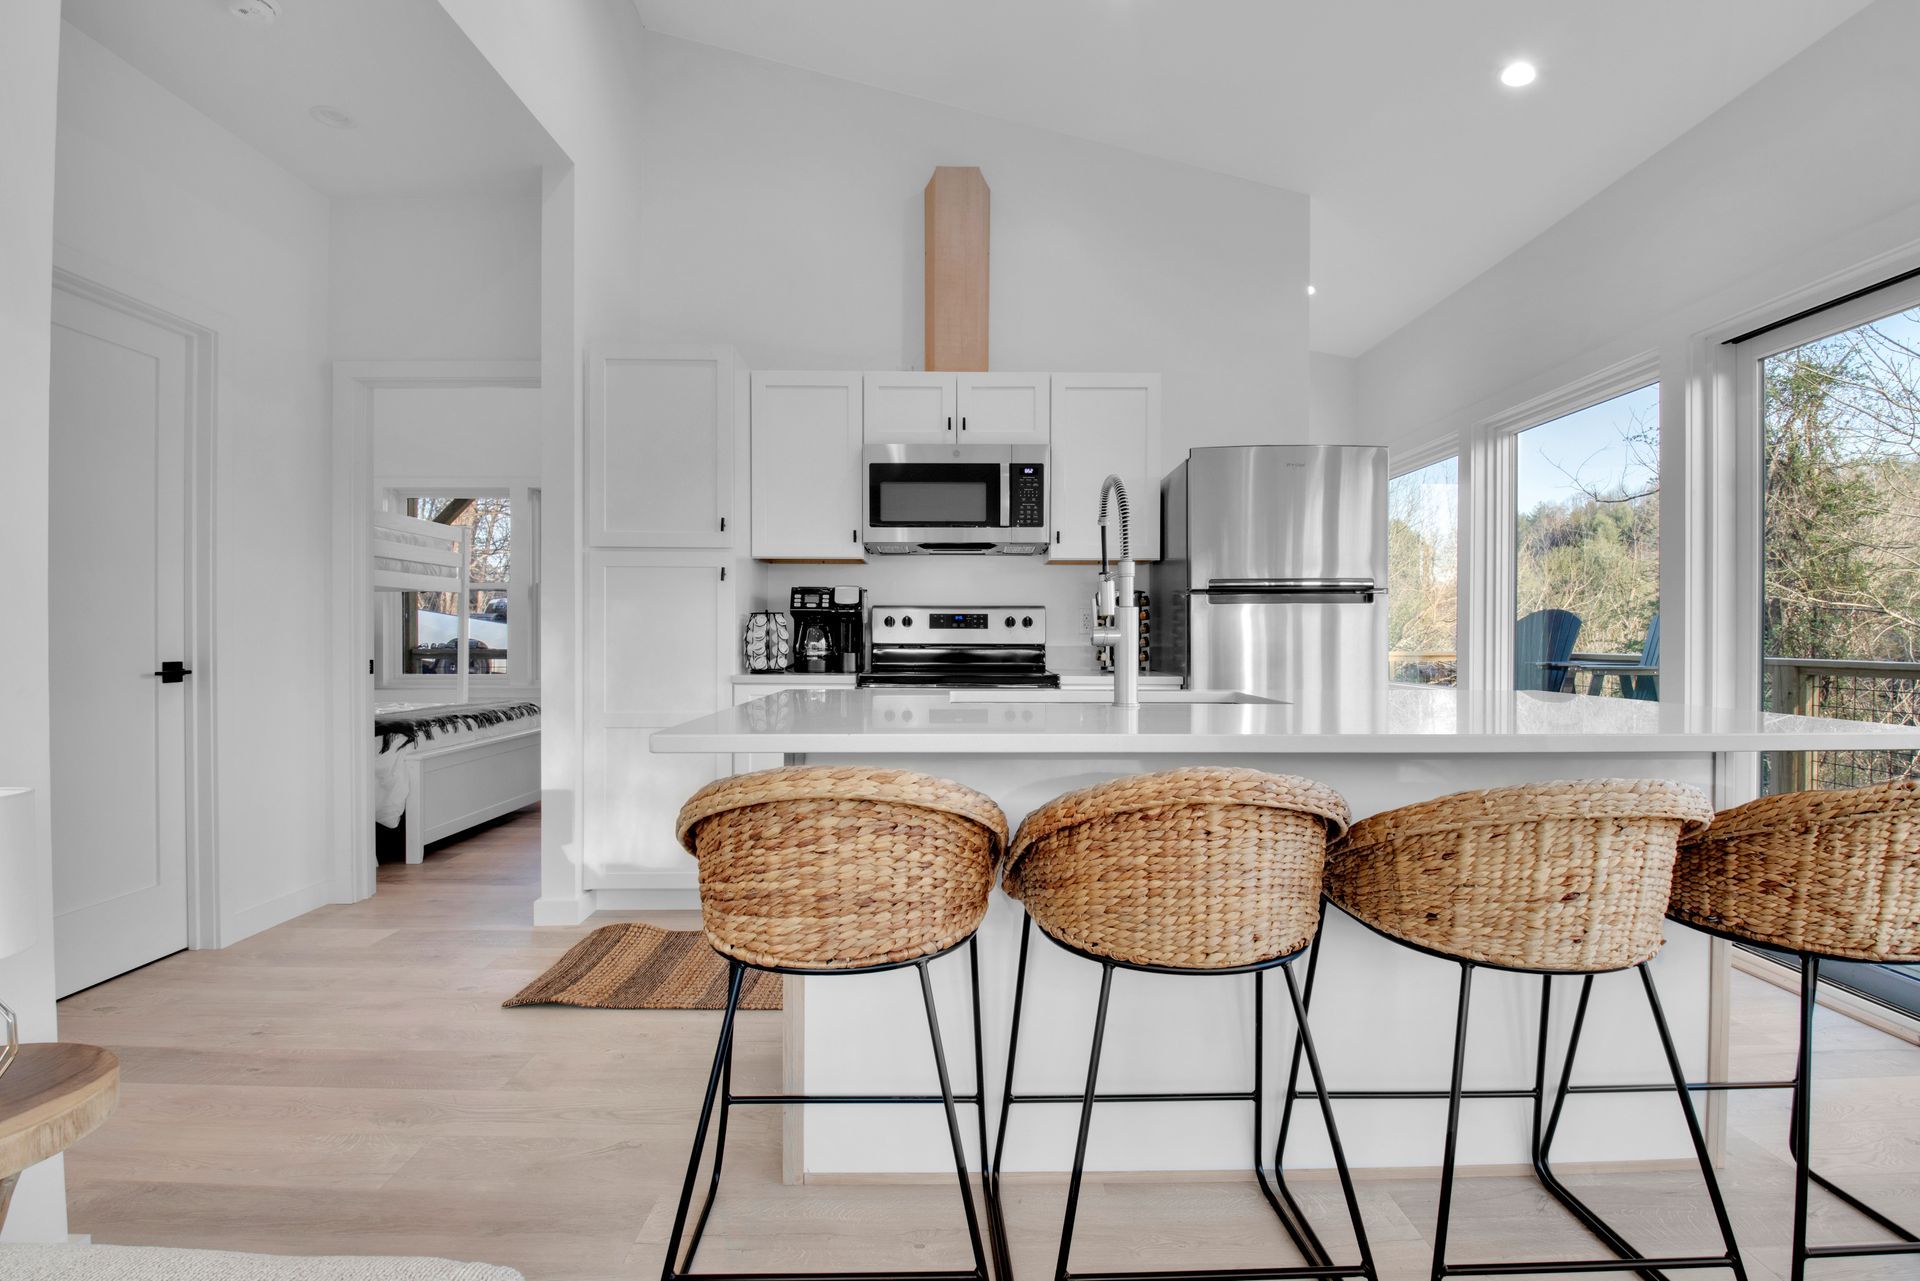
(1830, 873)
(1196, 869)
(1568, 876)
(835, 868)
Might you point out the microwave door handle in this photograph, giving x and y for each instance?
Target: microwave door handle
(1006, 494)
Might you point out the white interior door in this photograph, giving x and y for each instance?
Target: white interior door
(118, 529)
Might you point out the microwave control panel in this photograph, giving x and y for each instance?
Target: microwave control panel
(1027, 505)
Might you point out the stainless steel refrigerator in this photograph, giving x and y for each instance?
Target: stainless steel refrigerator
(1275, 558)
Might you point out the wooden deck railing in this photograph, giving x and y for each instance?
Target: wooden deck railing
(1845, 689)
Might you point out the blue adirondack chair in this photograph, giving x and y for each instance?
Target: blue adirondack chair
(1638, 680)
(1542, 644)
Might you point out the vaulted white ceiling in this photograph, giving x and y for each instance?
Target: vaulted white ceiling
(1423, 170)
(430, 113)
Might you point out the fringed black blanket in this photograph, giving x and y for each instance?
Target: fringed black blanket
(402, 728)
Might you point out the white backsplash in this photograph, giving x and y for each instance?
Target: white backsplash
(1065, 591)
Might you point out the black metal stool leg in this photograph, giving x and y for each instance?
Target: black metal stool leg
(1312, 1247)
(1543, 1134)
(1013, 1048)
(1801, 1138)
(1291, 1216)
(953, 1123)
(1693, 1125)
(1333, 1138)
(1086, 1123)
(989, 1189)
(1452, 1148)
(722, 1055)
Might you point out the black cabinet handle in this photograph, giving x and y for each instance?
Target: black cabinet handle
(963, 422)
(723, 524)
(949, 422)
(172, 672)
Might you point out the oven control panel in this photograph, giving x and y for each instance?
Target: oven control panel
(973, 625)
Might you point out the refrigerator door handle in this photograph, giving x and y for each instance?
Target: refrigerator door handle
(1285, 586)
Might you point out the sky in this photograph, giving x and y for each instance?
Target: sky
(1588, 448)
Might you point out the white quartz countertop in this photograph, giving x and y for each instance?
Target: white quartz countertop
(844, 680)
(1399, 720)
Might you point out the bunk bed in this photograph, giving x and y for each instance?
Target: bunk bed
(443, 767)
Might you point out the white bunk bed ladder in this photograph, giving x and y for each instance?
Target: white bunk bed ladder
(437, 558)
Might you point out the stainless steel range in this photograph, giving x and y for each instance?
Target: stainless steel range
(917, 646)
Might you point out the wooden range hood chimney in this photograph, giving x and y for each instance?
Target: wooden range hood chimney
(957, 237)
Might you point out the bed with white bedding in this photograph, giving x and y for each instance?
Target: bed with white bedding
(441, 768)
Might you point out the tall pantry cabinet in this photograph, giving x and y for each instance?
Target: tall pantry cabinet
(667, 546)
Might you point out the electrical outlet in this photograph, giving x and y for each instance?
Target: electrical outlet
(1086, 621)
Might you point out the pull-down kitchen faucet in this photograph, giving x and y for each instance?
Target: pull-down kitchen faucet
(1117, 599)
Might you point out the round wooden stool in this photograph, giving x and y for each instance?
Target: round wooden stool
(840, 870)
(1561, 878)
(1824, 876)
(1191, 872)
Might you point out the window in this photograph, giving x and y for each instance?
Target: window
(421, 629)
(1840, 542)
(1423, 574)
(1587, 550)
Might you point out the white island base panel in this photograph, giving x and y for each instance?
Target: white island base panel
(1382, 1016)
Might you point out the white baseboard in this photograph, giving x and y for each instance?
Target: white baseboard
(665, 898)
(570, 909)
(278, 910)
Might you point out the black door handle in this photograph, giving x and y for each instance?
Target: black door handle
(172, 672)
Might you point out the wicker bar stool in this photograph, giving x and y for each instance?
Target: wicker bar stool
(1560, 878)
(819, 870)
(1190, 872)
(1823, 876)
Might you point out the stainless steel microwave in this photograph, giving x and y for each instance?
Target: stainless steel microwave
(955, 500)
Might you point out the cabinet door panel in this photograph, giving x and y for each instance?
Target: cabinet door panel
(911, 408)
(1004, 409)
(1105, 424)
(806, 466)
(659, 464)
(658, 652)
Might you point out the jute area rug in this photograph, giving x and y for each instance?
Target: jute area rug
(635, 966)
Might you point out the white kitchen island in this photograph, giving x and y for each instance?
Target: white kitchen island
(1382, 1014)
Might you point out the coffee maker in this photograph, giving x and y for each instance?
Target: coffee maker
(829, 629)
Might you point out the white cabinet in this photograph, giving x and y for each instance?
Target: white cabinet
(659, 467)
(1105, 424)
(985, 409)
(911, 408)
(806, 466)
(1003, 409)
(658, 651)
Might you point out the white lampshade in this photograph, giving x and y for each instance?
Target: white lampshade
(19, 876)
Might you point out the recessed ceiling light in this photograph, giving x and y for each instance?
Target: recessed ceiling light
(258, 12)
(1309, 291)
(1517, 75)
(332, 117)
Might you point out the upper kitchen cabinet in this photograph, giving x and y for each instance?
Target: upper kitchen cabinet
(806, 466)
(1004, 409)
(660, 446)
(1105, 424)
(912, 408)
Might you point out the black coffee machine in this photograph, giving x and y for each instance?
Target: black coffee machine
(829, 629)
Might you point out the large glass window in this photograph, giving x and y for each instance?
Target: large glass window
(1423, 573)
(1840, 476)
(1587, 550)
(429, 622)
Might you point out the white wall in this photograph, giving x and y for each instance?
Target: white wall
(159, 202)
(453, 277)
(29, 60)
(421, 433)
(1333, 402)
(1813, 170)
(782, 212)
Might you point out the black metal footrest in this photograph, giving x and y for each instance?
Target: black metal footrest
(1646, 1267)
(1306, 1272)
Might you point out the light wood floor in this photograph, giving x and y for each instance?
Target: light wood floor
(348, 1083)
